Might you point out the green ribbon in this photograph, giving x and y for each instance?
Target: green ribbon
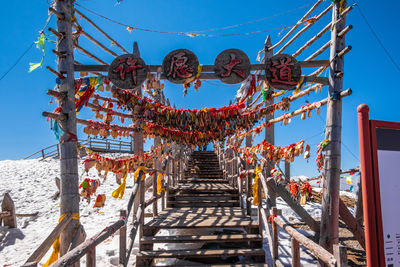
(40, 44)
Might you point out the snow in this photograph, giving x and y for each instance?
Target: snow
(31, 185)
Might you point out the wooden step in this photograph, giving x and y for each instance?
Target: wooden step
(200, 253)
(213, 195)
(204, 203)
(201, 222)
(204, 187)
(217, 211)
(203, 180)
(202, 238)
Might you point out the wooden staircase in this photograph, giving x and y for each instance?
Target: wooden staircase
(207, 207)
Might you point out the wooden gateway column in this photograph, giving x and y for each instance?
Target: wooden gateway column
(69, 191)
(269, 131)
(330, 201)
(137, 135)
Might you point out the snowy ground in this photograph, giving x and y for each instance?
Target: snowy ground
(31, 186)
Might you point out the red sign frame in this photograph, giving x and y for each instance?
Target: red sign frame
(371, 185)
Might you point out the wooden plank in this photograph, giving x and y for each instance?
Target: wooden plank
(352, 223)
(329, 234)
(281, 190)
(202, 238)
(91, 257)
(69, 197)
(78, 252)
(38, 254)
(215, 221)
(122, 240)
(7, 205)
(295, 252)
(318, 251)
(275, 241)
(341, 255)
(201, 253)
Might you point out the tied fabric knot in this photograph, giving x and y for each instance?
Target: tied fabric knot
(137, 173)
(56, 244)
(271, 218)
(256, 197)
(159, 183)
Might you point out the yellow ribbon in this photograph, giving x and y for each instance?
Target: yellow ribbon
(119, 192)
(136, 173)
(159, 183)
(199, 70)
(256, 200)
(56, 244)
(299, 85)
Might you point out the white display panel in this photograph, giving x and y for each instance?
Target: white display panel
(389, 183)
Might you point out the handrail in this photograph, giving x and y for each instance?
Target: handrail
(38, 254)
(263, 213)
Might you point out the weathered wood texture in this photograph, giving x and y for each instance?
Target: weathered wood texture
(351, 223)
(38, 254)
(318, 251)
(8, 206)
(295, 252)
(68, 150)
(269, 131)
(78, 252)
(281, 190)
(122, 240)
(329, 233)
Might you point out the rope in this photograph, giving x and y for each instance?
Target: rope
(198, 33)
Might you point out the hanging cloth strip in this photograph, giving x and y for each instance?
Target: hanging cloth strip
(56, 244)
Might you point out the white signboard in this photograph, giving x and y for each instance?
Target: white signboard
(388, 146)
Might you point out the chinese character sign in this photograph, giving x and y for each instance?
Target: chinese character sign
(283, 72)
(128, 71)
(180, 66)
(232, 66)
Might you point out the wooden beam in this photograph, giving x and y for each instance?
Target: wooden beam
(285, 195)
(323, 13)
(100, 30)
(297, 24)
(89, 54)
(269, 131)
(69, 154)
(95, 41)
(318, 251)
(329, 234)
(300, 111)
(352, 223)
(205, 69)
(38, 254)
(78, 252)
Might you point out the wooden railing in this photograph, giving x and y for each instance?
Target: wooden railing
(233, 168)
(136, 206)
(97, 145)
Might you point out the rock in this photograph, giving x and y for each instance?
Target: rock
(110, 252)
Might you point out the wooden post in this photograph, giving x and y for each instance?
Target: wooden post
(274, 235)
(155, 208)
(68, 148)
(142, 205)
(7, 205)
(138, 135)
(340, 254)
(329, 233)
(91, 258)
(122, 240)
(295, 252)
(269, 131)
(287, 170)
(358, 209)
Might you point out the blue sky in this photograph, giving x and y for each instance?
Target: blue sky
(368, 71)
